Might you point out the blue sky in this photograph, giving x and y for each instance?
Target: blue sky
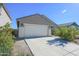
(57, 12)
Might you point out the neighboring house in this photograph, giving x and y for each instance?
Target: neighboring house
(35, 25)
(4, 16)
(70, 24)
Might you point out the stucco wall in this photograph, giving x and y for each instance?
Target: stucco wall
(4, 17)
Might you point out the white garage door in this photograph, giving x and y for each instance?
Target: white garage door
(33, 30)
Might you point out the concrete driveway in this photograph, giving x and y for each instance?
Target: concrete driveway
(52, 46)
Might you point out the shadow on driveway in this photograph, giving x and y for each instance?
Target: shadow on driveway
(58, 42)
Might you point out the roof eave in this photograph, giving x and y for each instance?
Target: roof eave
(6, 10)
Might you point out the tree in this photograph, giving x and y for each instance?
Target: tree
(6, 40)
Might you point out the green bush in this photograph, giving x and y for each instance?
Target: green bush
(56, 31)
(67, 33)
(6, 40)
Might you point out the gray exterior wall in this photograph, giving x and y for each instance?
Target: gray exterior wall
(37, 25)
(36, 19)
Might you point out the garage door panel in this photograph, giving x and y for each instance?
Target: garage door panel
(33, 30)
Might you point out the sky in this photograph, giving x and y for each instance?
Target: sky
(57, 12)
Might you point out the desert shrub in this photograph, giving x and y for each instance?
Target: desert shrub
(72, 33)
(56, 31)
(77, 32)
(66, 33)
(6, 40)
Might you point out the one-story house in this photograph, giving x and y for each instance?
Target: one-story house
(4, 15)
(70, 24)
(35, 25)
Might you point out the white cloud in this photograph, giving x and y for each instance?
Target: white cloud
(64, 11)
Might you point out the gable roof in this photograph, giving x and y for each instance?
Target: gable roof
(69, 24)
(36, 19)
(3, 5)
